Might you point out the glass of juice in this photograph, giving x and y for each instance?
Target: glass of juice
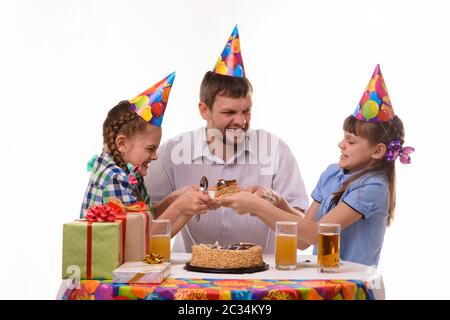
(328, 249)
(160, 231)
(286, 245)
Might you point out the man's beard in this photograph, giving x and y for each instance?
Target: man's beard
(234, 136)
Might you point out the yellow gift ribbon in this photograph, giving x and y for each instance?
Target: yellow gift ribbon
(136, 278)
(154, 258)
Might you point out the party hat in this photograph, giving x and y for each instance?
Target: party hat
(151, 104)
(230, 61)
(375, 104)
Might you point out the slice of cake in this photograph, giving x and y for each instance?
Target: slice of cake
(226, 187)
(236, 256)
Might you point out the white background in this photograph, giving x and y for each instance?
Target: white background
(64, 64)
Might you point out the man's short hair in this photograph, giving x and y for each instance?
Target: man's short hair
(214, 84)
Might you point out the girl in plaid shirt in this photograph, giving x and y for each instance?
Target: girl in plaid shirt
(131, 136)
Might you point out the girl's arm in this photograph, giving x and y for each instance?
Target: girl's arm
(275, 198)
(162, 206)
(245, 202)
(180, 211)
(177, 220)
(342, 214)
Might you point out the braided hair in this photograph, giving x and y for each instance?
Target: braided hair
(120, 120)
(375, 132)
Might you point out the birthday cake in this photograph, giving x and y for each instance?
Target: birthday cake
(226, 187)
(236, 256)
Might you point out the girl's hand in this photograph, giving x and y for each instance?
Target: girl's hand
(177, 193)
(267, 194)
(192, 202)
(242, 202)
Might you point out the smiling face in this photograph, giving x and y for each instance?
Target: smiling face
(230, 116)
(140, 148)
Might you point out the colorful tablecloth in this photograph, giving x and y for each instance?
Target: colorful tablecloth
(222, 289)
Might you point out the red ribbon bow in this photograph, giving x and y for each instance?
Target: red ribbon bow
(101, 213)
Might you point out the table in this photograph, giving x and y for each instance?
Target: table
(353, 281)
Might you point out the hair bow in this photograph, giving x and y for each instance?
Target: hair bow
(134, 175)
(396, 150)
(90, 164)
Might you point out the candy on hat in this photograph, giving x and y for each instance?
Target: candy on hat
(375, 104)
(151, 104)
(230, 61)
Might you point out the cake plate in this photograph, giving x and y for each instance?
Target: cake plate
(264, 267)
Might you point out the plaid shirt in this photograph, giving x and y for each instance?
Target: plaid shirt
(110, 181)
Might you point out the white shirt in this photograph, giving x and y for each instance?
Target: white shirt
(263, 160)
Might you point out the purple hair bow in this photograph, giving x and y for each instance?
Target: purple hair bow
(395, 150)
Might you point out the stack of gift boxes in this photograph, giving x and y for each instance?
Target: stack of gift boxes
(112, 243)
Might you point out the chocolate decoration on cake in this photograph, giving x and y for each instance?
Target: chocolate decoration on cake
(225, 187)
(240, 246)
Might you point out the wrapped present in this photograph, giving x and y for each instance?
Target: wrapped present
(135, 228)
(91, 250)
(135, 236)
(135, 220)
(141, 272)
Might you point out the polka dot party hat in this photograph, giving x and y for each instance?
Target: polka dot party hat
(151, 104)
(375, 104)
(230, 61)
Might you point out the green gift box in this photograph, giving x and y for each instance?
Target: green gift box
(91, 250)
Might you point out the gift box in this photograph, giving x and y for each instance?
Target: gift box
(141, 272)
(135, 228)
(135, 234)
(91, 250)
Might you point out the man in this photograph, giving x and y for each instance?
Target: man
(227, 148)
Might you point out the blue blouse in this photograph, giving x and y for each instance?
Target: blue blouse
(361, 242)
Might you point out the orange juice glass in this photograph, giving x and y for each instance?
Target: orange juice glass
(160, 238)
(286, 245)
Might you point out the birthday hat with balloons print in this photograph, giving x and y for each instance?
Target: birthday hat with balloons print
(151, 104)
(375, 104)
(230, 61)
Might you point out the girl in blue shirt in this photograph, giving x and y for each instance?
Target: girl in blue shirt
(359, 191)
